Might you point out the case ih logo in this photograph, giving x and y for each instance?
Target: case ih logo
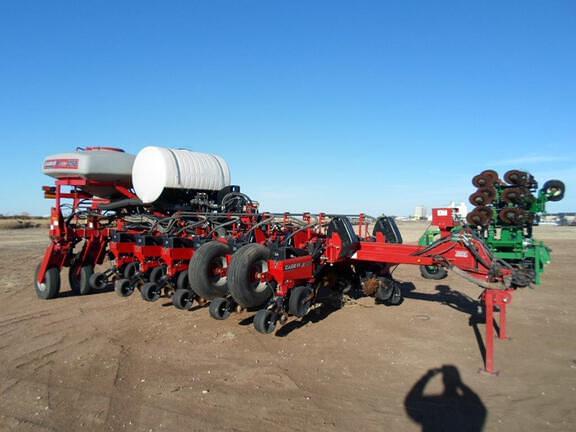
(296, 265)
(61, 164)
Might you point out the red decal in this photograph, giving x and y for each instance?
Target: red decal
(61, 164)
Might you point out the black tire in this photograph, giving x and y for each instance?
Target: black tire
(150, 291)
(265, 321)
(86, 273)
(433, 272)
(554, 189)
(202, 275)
(123, 288)
(51, 286)
(98, 282)
(392, 298)
(157, 273)
(80, 284)
(244, 288)
(219, 308)
(182, 281)
(73, 280)
(130, 270)
(300, 301)
(183, 299)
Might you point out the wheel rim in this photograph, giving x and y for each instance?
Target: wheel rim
(269, 323)
(186, 301)
(40, 286)
(154, 293)
(554, 191)
(258, 270)
(217, 271)
(126, 289)
(223, 309)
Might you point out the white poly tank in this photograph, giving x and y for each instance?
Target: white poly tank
(157, 169)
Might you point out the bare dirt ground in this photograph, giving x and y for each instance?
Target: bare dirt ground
(106, 363)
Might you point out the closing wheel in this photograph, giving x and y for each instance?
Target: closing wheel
(219, 308)
(265, 321)
(247, 276)
(207, 271)
(80, 282)
(86, 273)
(123, 288)
(98, 281)
(74, 279)
(157, 273)
(182, 281)
(51, 286)
(300, 300)
(183, 299)
(130, 270)
(433, 272)
(150, 291)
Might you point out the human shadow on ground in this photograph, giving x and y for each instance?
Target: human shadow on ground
(456, 408)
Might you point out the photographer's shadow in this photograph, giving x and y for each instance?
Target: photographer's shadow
(457, 408)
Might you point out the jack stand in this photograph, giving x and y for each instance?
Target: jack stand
(495, 301)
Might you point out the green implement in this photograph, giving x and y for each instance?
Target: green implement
(504, 216)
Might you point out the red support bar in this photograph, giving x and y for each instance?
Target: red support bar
(502, 327)
(495, 299)
(489, 360)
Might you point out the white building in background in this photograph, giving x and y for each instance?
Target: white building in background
(420, 213)
(461, 207)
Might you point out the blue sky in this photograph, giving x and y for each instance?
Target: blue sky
(372, 106)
